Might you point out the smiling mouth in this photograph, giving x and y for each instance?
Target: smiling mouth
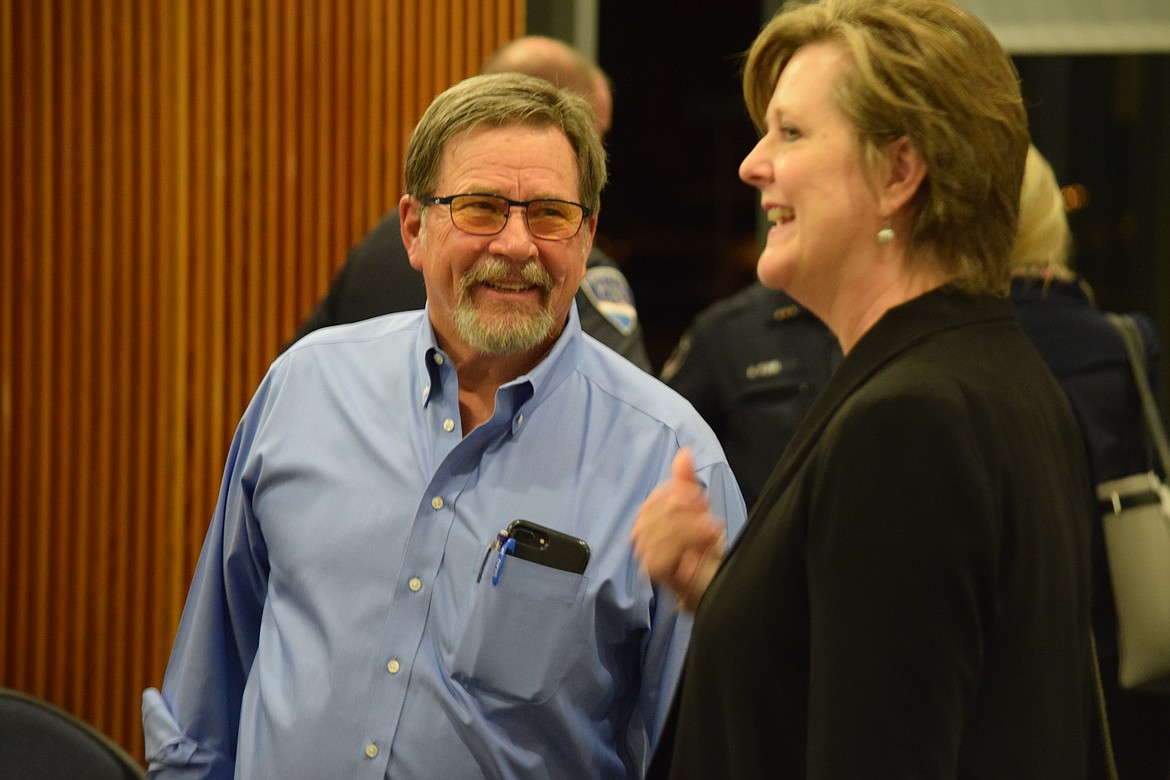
(508, 287)
(778, 215)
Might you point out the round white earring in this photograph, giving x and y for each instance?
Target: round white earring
(885, 235)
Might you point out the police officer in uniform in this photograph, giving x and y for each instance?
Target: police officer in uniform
(752, 364)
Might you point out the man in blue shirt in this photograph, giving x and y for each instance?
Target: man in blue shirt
(356, 611)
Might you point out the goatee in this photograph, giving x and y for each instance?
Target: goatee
(503, 330)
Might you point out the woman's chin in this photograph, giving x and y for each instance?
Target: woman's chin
(773, 271)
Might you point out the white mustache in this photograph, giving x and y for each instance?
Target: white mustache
(500, 273)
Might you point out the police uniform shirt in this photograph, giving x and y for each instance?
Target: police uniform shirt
(752, 364)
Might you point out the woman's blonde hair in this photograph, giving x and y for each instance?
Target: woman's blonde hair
(1044, 237)
(930, 71)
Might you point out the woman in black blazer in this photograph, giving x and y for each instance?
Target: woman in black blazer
(910, 596)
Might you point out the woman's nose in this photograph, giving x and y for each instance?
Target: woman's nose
(755, 168)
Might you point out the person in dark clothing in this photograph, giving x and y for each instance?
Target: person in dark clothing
(377, 278)
(752, 364)
(1057, 311)
(910, 594)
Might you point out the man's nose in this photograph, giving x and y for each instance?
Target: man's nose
(516, 240)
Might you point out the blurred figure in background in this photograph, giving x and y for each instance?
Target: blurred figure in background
(1055, 307)
(377, 278)
(752, 364)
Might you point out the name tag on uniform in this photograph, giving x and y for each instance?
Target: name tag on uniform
(763, 369)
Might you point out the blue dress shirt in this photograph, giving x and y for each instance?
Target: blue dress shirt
(336, 626)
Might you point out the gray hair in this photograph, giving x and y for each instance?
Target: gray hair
(502, 100)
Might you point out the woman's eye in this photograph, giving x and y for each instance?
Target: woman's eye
(789, 133)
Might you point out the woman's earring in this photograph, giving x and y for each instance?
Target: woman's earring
(886, 234)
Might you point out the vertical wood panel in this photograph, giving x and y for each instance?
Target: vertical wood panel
(41, 333)
(63, 415)
(305, 134)
(126, 366)
(17, 641)
(85, 520)
(180, 181)
(284, 18)
(375, 98)
(16, 378)
(268, 140)
(165, 553)
(106, 347)
(237, 184)
(356, 42)
(316, 217)
(393, 106)
(7, 328)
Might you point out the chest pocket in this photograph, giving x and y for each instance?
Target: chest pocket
(523, 634)
(783, 396)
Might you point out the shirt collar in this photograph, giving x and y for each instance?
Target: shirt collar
(517, 397)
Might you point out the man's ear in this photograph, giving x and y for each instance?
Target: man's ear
(901, 176)
(590, 228)
(410, 216)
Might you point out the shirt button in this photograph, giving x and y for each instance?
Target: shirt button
(448, 425)
(371, 750)
(519, 419)
(438, 359)
(436, 503)
(426, 391)
(415, 584)
(393, 666)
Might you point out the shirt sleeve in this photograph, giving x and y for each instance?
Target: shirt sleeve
(191, 727)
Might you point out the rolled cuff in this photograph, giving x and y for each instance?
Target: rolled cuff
(173, 754)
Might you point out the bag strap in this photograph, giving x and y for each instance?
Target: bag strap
(1102, 715)
(1135, 348)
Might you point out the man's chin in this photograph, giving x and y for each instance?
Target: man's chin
(508, 335)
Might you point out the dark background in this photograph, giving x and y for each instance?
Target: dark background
(675, 214)
(684, 227)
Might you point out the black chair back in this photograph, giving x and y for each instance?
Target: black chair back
(39, 741)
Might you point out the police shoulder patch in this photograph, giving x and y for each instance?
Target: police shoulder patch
(608, 290)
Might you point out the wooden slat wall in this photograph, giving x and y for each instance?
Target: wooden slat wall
(181, 179)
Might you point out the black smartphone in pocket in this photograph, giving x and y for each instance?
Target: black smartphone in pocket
(548, 547)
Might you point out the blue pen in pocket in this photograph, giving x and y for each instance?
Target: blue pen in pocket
(493, 546)
(507, 547)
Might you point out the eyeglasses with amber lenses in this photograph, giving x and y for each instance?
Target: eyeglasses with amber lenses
(486, 215)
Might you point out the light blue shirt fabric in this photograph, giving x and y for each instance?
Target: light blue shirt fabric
(335, 627)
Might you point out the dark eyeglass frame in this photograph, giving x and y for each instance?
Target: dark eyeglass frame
(447, 200)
